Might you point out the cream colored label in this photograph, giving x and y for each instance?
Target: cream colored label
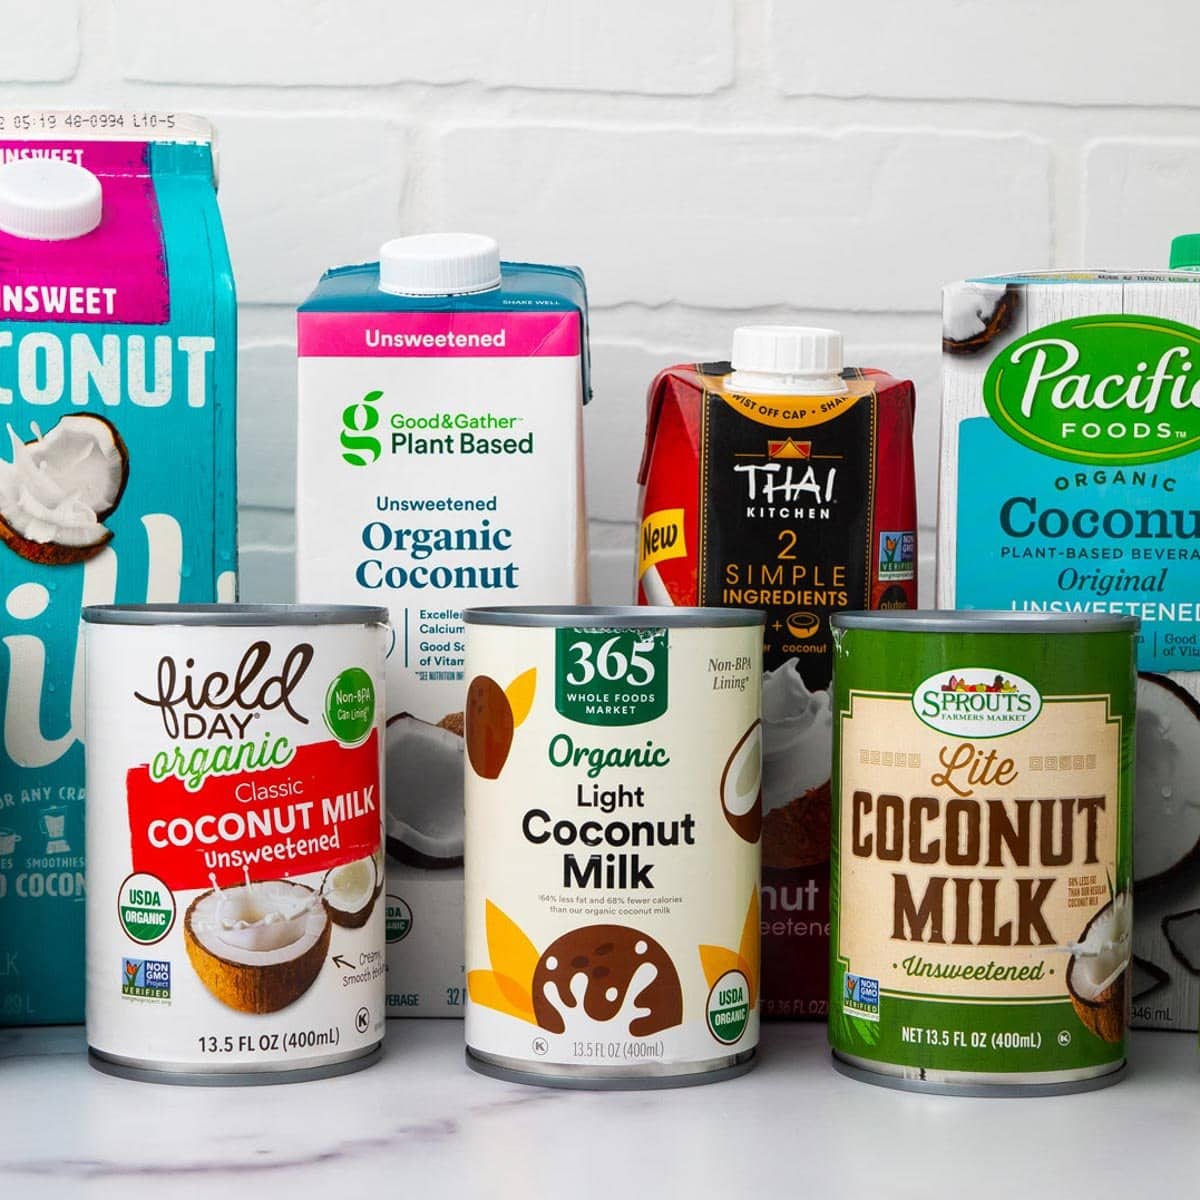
(614, 815)
(973, 867)
(235, 910)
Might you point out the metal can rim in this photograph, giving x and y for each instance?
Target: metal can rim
(935, 620)
(585, 616)
(229, 615)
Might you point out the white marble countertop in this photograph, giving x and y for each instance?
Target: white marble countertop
(421, 1125)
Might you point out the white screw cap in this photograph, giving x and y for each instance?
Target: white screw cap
(439, 264)
(48, 200)
(799, 351)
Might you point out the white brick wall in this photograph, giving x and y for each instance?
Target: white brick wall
(707, 162)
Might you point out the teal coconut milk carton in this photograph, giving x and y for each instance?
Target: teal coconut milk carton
(440, 468)
(1070, 483)
(117, 378)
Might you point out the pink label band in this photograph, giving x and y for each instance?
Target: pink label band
(517, 334)
(117, 274)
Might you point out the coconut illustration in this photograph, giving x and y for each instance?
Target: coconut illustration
(974, 314)
(424, 793)
(1098, 974)
(349, 892)
(741, 785)
(489, 727)
(257, 947)
(58, 489)
(612, 972)
(1166, 826)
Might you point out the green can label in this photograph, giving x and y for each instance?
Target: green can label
(981, 914)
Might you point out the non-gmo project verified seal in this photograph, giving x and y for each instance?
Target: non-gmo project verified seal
(860, 997)
(897, 554)
(145, 979)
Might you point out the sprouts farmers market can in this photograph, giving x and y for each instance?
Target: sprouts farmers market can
(234, 831)
(614, 817)
(982, 850)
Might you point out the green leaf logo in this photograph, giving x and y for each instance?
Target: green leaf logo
(359, 449)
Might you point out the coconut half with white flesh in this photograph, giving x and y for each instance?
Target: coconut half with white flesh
(257, 947)
(1098, 971)
(349, 891)
(741, 786)
(425, 776)
(58, 489)
(974, 314)
(1166, 809)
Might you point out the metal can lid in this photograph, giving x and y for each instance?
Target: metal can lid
(235, 614)
(935, 620)
(567, 616)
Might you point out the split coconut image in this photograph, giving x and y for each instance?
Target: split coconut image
(1166, 851)
(1098, 973)
(425, 766)
(258, 947)
(741, 786)
(58, 488)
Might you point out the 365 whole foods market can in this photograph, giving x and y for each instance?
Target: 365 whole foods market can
(613, 824)
(982, 850)
(234, 827)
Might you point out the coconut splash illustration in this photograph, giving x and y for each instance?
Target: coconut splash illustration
(1098, 972)
(59, 488)
(258, 947)
(605, 974)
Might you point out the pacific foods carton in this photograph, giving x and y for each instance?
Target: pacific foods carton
(1070, 482)
(117, 470)
(440, 468)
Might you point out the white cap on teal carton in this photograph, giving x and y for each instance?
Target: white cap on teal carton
(439, 264)
(797, 359)
(48, 200)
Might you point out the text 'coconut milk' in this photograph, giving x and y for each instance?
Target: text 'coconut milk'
(1070, 483)
(234, 829)
(982, 864)
(614, 820)
(440, 465)
(782, 482)
(117, 479)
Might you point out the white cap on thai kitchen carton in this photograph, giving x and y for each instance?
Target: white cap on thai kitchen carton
(439, 264)
(48, 199)
(787, 358)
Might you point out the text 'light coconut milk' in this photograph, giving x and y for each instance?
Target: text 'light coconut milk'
(982, 865)
(440, 465)
(235, 925)
(117, 479)
(614, 821)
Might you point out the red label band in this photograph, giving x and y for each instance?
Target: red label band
(321, 810)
